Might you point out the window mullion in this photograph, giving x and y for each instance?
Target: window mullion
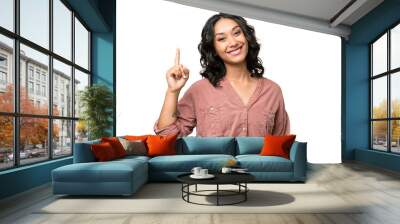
(50, 81)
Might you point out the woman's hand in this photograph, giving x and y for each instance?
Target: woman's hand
(177, 75)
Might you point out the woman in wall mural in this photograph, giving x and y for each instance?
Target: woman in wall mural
(233, 99)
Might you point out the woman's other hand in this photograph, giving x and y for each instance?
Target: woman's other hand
(177, 75)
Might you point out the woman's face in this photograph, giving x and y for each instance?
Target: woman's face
(229, 41)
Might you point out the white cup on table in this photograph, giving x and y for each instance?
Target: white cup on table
(196, 171)
(203, 172)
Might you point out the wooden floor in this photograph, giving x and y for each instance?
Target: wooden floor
(377, 188)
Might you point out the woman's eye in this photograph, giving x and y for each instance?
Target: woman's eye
(237, 33)
(221, 39)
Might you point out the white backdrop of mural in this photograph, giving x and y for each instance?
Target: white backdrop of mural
(306, 64)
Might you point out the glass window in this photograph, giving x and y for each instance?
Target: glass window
(7, 14)
(379, 56)
(30, 87)
(38, 89)
(30, 72)
(81, 45)
(3, 78)
(62, 75)
(34, 80)
(395, 47)
(6, 142)
(395, 138)
(395, 95)
(81, 81)
(6, 75)
(379, 99)
(33, 140)
(62, 137)
(379, 135)
(40, 62)
(34, 21)
(81, 131)
(43, 90)
(3, 60)
(62, 29)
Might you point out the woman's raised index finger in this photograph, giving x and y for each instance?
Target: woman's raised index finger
(177, 56)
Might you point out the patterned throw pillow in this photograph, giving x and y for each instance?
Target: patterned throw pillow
(134, 147)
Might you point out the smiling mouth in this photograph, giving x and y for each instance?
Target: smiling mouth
(236, 51)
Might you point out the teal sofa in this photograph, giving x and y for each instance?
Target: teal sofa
(125, 176)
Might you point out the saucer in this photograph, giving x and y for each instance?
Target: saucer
(208, 176)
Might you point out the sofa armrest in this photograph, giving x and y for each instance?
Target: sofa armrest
(298, 155)
(83, 152)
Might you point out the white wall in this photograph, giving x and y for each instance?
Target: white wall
(306, 64)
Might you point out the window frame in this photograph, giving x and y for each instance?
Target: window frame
(15, 71)
(388, 74)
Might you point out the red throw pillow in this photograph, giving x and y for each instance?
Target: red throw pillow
(277, 145)
(103, 151)
(116, 145)
(159, 145)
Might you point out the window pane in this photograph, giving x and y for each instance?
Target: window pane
(379, 100)
(6, 74)
(34, 79)
(62, 137)
(62, 89)
(81, 131)
(35, 21)
(395, 47)
(395, 94)
(81, 81)
(33, 140)
(395, 136)
(81, 45)
(62, 29)
(379, 135)
(7, 14)
(379, 55)
(6, 142)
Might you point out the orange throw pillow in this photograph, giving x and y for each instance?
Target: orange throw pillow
(116, 145)
(277, 145)
(103, 151)
(134, 138)
(159, 145)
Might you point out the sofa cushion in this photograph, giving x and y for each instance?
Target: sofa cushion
(275, 145)
(185, 163)
(111, 171)
(249, 145)
(257, 163)
(206, 145)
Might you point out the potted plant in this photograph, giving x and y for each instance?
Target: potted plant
(97, 106)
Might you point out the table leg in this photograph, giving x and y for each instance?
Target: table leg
(217, 194)
(196, 188)
(245, 191)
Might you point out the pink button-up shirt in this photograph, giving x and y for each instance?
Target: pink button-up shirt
(221, 112)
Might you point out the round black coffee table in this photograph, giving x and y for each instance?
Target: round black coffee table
(238, 179)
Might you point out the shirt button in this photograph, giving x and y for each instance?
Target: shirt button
(244, 128)
(211, 108)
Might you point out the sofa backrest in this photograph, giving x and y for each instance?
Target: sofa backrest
(192, 145)
(249, 145)
(83, 152)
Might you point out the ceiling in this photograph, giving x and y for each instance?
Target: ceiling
(327, 16)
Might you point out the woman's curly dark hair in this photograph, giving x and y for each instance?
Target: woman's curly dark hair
(213, 68)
